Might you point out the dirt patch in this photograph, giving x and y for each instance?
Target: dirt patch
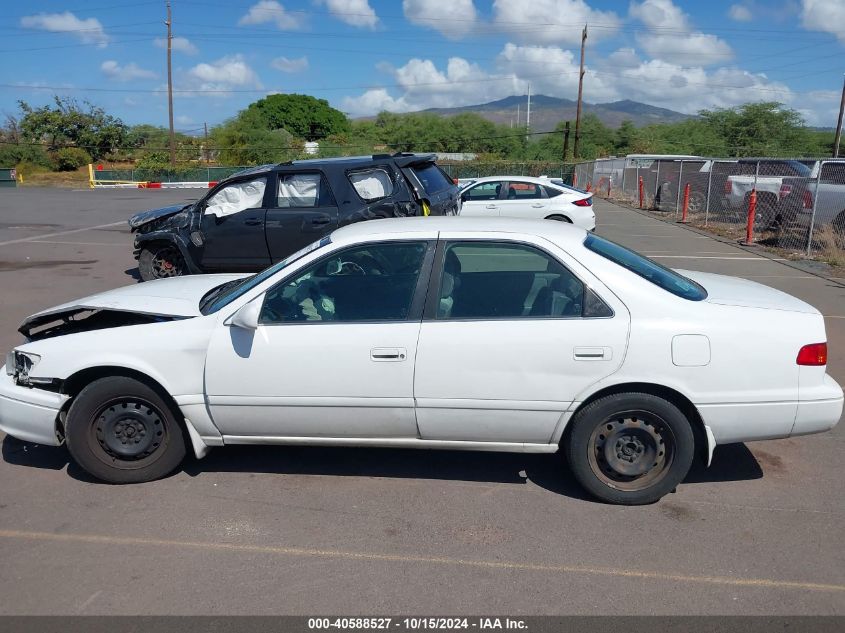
(771, 464)
(7, 266)
(678, 512)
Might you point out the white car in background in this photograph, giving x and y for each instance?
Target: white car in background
(527, 197)
(453, 333)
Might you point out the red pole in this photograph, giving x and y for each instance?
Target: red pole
(641, 192)
(588, 186)
(686, 205)
(609, 185)
(749, 229)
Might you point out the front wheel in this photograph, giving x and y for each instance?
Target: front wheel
(630, 448)
(122, 431)
(160, 261)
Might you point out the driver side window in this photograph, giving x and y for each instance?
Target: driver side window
(375, 282)
(237, 197)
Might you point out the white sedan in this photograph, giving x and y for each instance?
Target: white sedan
(453, 333)
(527, 197)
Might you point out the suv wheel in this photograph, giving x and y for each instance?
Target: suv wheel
(160, 261)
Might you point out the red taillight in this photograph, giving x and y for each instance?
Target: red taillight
(785, 190)
(729, 186)
(807, 200)
(813, 355)
(583, 202)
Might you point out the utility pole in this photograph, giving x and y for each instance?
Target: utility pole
(517, 115)
(207, 151)
(580, 94)
(170, 87)
(565, 141)
(528, 118)
(839, 124)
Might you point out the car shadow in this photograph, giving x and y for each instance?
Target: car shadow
(732, 462)
(134, 273)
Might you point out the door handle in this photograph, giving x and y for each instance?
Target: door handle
(387, 354)
(253, 221)
(491, 206)
(537, 205)
(592, 353)
(321, 220)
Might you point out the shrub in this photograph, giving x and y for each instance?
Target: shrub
(13, 154)
(70, 158)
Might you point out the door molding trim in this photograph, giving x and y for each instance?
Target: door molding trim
(391, 442)
(310, 401)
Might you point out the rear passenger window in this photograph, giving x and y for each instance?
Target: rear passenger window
(304, 191)
(432, 177)
(524, 191)
(500, 280)
(372, 184)
(552, 193)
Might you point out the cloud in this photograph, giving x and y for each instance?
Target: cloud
(290, 65)
(129, 72)
(218, 78)
(353, 12)
(670, 35)
(271, 11)
(740, 13)
(452, 18)
(552, 21)
(179, 44)
(90, 31)
(553, 71)
(824, 15)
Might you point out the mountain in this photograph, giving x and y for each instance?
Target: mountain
(547, 112)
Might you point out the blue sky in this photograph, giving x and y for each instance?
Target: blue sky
(368, 55)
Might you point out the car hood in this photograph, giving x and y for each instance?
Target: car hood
(139, 219)
(735, 291)
(177, 297)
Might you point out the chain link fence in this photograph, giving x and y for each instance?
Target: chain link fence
(794, 205)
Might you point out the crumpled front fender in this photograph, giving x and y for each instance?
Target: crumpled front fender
(181, 242)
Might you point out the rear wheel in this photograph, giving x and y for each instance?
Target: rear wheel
(697, 202)
(122, 431)
(630, 448)
(160, 261)
(560, 218)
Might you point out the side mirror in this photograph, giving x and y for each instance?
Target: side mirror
(247, 315)
(464, 198)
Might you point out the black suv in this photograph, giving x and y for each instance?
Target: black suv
(262, 215)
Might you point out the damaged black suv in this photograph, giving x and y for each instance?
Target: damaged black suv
(262, 215)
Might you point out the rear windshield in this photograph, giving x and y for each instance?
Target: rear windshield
(432, 177)
(659, 275)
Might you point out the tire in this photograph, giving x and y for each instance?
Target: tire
(122, 431)
(643, 429)
(838, 225)
(560, 218)
(160, 261)
(697, 202)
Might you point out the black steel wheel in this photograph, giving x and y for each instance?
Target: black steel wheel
(161, 261)
(630, 448)
(121, 430)
(697, 202)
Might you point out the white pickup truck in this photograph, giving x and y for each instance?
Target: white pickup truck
(824, 193)
(767, 181)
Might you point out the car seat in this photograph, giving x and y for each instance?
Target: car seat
(449, 284)
(511, 193)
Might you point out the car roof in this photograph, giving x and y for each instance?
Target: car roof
(533, 179)
(353, 161)
(561, 233)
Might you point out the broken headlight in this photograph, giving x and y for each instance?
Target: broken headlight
(19, 364)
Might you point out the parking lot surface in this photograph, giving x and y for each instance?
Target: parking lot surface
(288, 530)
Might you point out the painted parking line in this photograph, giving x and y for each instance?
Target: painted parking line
(278, 550)
(34, 238)
(79, 243)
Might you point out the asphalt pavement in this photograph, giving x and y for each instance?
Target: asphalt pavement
(289, 530)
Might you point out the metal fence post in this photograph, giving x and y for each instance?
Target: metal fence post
(709, 184)
(656, 184)
(638, 180)
(623, 177)
(680, 180)
(815, 202)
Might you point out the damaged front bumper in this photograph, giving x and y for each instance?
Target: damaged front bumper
(30, 414)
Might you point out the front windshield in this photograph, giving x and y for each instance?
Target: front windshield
(224, 294)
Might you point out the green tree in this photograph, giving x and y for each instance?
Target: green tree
(759, 129)
(244, 140)
(303, 116)
(67, 124)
